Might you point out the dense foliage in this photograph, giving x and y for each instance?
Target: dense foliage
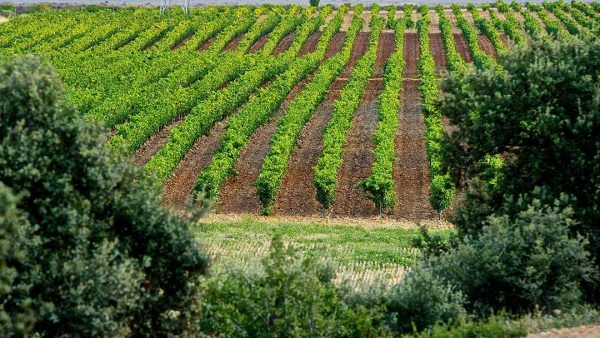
(528, 133)
(101, 256)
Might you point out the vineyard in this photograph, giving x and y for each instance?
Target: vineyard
(291, 111)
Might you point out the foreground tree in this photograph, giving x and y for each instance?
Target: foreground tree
(529, 133)
(102, 257)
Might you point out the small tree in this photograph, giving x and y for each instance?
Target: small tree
(102, 257)
(314, 3)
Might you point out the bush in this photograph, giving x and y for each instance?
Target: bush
(104, 258)
(521, 264)
(534, 126)
(422, 300)
(15, 238)
(284, 296)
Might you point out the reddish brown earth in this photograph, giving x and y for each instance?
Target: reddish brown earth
(361, 44)
(297, 193)
(411, 53)
(436, 45)
(411, 169)
(357, 158)
(335, 45)
(152, 145)
(285, 43)
(259, 44)
(486, 45)
(181, 183)
(206, 45)
(505, 40)
(385, 49)
(232, 45)
(238, 194)
(462, 48)
(311, 44)
(183, 41)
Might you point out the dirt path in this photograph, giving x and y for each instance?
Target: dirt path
(232, 45)
(152, 145)
(285, 43)
(238, 194)
(411, 53)
(486, 45)
(258, 45)
(180, 184)
(462, 48)
(357, 159)
(411, 171)
(311, 44)
(436, 45)
(297, 193)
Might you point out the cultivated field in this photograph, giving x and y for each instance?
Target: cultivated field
(288, 111)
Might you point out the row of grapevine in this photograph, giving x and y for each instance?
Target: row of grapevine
(581, 17)
(334, 137)
(380, 186)
(487, 28)
(511, 25)
(257, 111)
(480, 58)
(587, 10)
(532, 26)
(201, 118)
(442, 189)
(297, 115)
(454, 61)
(286, 26)
(572, 26)
(553, 27)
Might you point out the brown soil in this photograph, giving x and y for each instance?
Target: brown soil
(486, 45)
(258, 45)
(336, 44)
(152, 145)
(506, 40)
(587, 331)
(411, 170)
(238, 193)
(385, 49)
(357, 161)
(436, 45)
(297, 193)
(183, 41)
(285, 43)
(311, 44)
(462, 48)
(361, 44)
(206, 45)
(181, 183)
(232, 45)
(411, 52)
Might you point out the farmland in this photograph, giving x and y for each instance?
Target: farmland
(290, 111)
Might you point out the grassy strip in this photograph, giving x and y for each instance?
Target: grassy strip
(298, 113)
(379, 186)
(480, 58)
(344, 108)
(442, 190)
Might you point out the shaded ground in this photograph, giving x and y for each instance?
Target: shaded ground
(285, 43)
(311, 44)
(258, 45)
(486, 45)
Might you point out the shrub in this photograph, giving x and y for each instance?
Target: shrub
(422, 300)
(284, 296)
(108, 259)
(520, 264)
(533, 126)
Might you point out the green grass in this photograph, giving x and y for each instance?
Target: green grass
(363, 253)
